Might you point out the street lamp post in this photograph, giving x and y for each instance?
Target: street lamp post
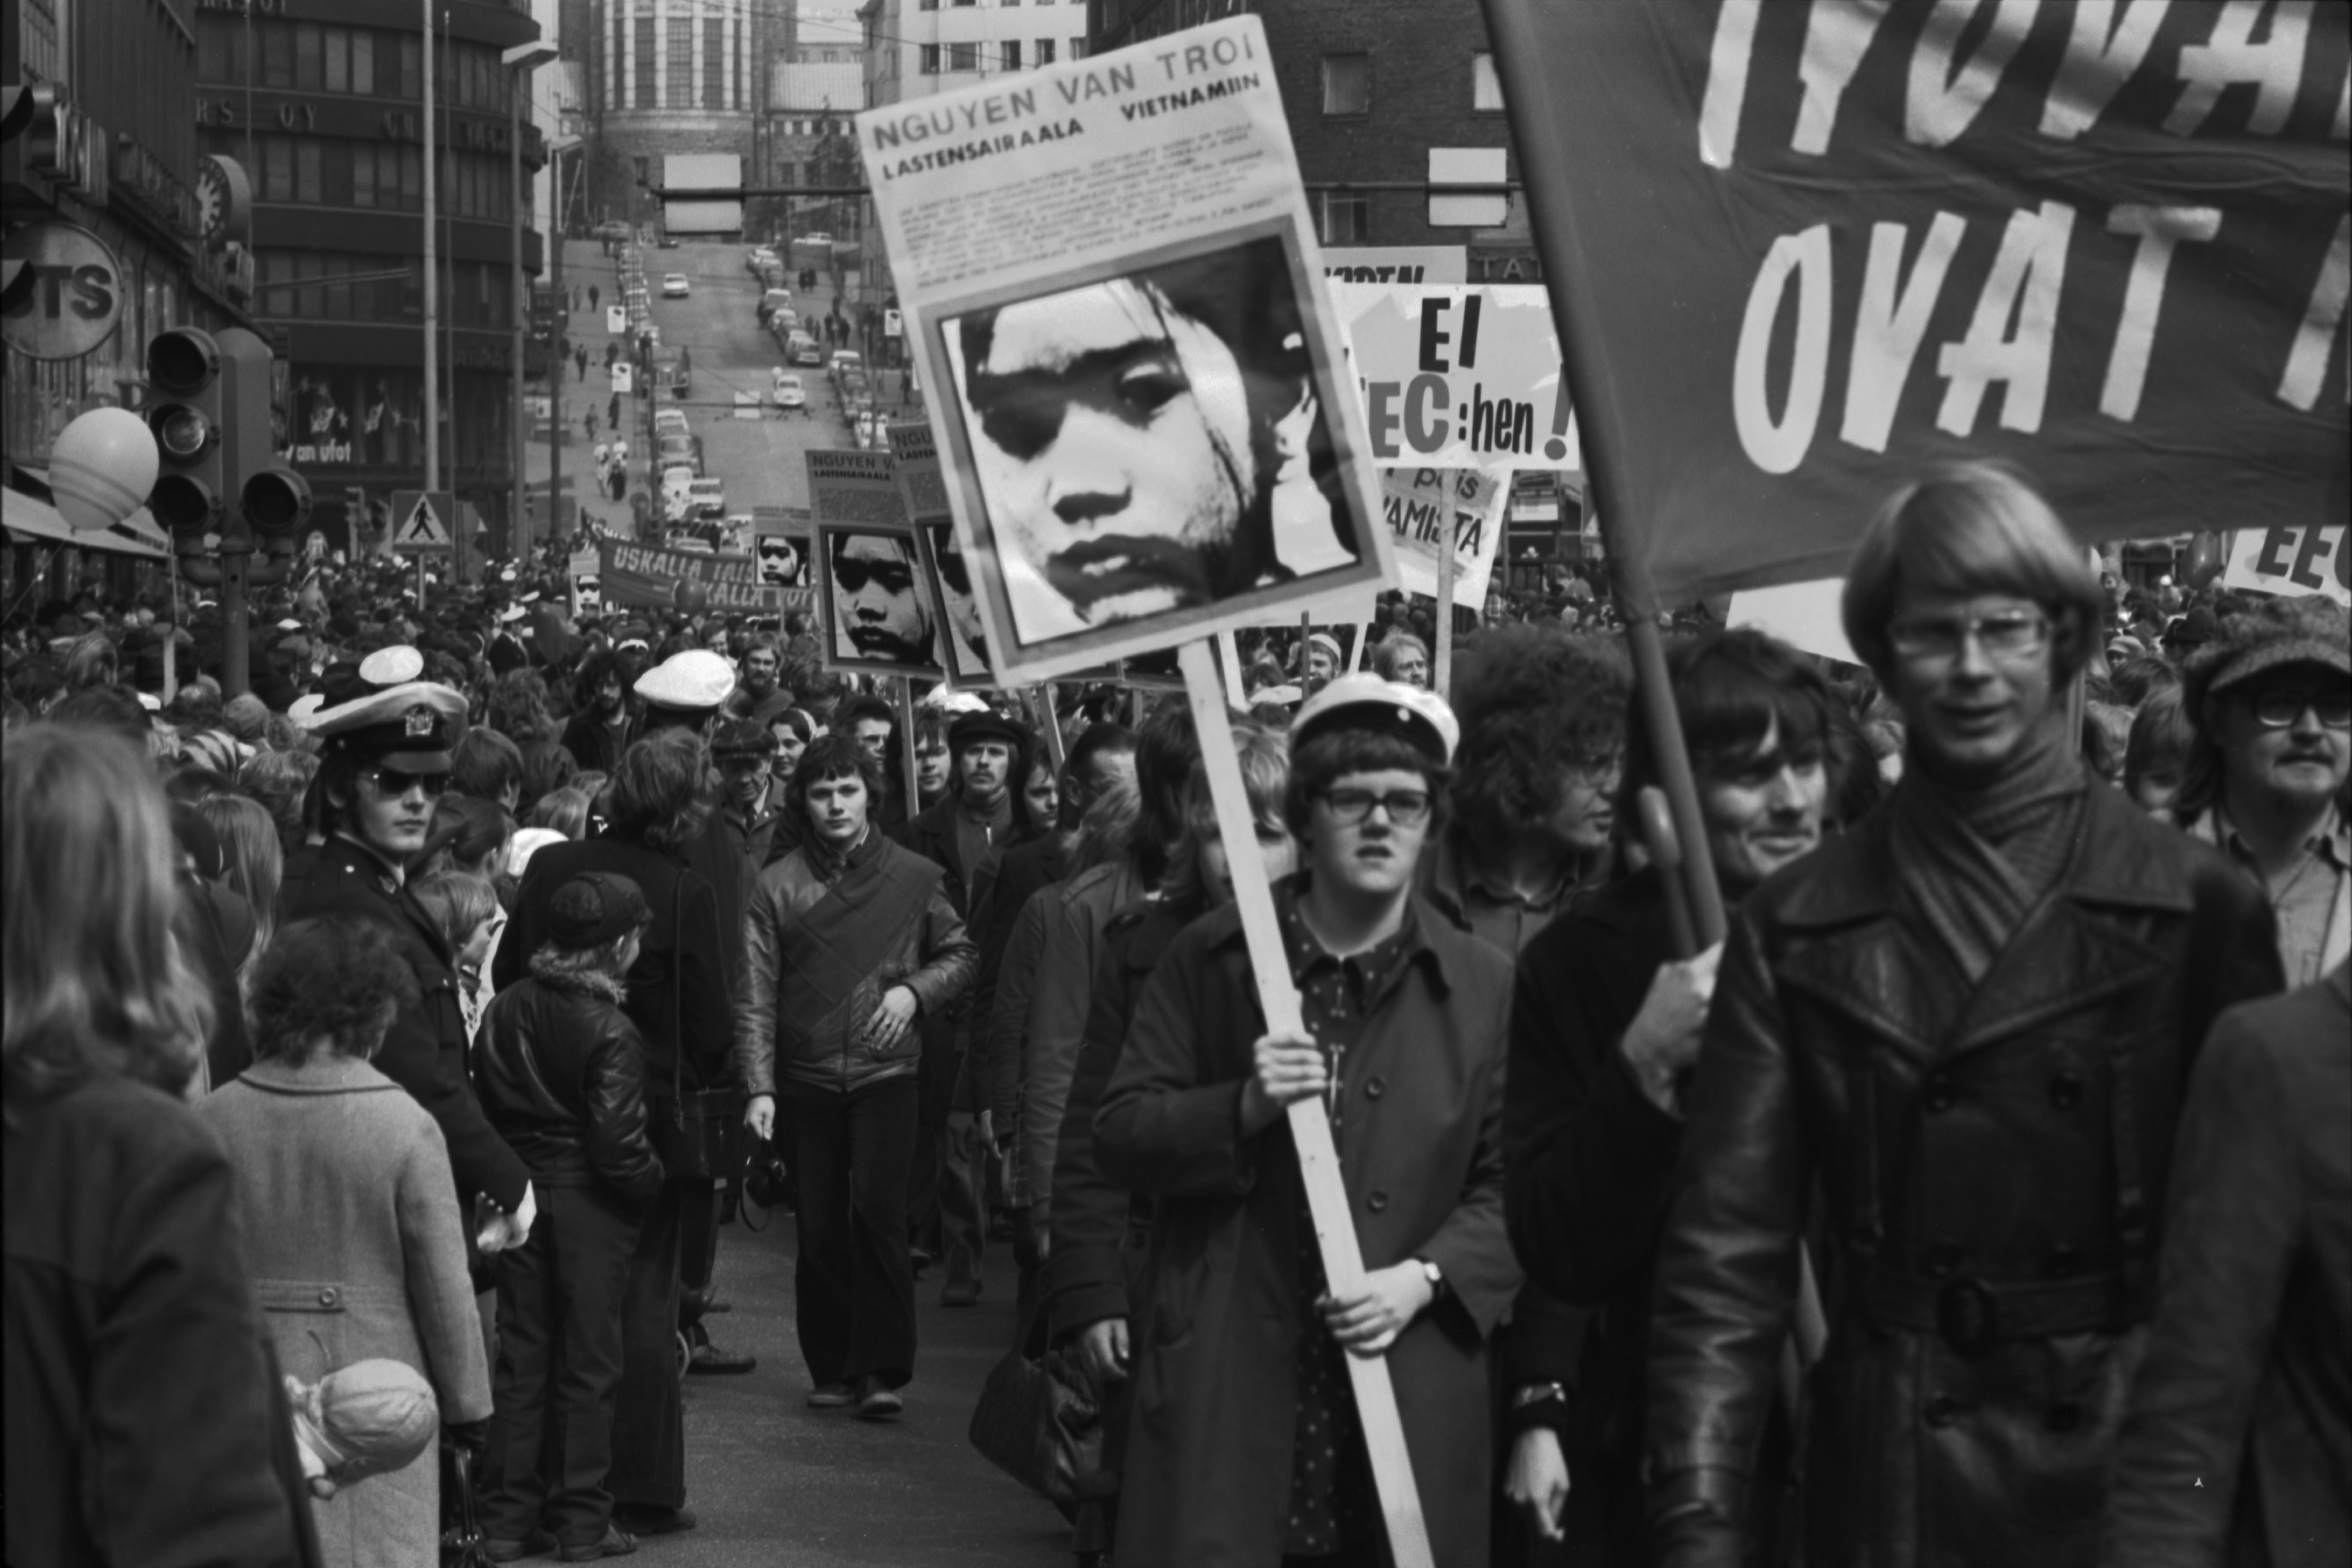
(521, 61)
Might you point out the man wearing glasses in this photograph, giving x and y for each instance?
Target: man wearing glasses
(384, 765)
(1253, 1451)
(2271, 699)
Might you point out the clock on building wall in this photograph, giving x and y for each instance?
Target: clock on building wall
(224, 201)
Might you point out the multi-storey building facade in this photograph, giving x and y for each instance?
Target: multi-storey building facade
(673, 77)
(323, 102)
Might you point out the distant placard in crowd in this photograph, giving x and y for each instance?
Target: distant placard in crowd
(1396, 263)
(875, 603)
(1106, 268)
(922, 489)
(1829, 245)
(2291, 561)
(1424, 507)
(649, 575)
(1467, 376)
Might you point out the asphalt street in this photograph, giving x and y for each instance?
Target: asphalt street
(759, 458)
(773, 1482)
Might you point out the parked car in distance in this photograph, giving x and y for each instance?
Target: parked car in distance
(706, 498)
(675, 285)
(773, 300)
(783, 324)
(688, 538)
(760, 256)
(842, 361)
(786, 392)
(670, 422)
(853, 385)
(675, 374)
(800, 349)
(679, 451)
(668, 241)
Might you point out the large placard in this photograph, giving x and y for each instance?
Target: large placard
(1112, 284)
(874, 604)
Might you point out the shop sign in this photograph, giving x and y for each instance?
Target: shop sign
(75, 300)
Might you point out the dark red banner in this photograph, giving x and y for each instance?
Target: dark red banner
(1799, 251)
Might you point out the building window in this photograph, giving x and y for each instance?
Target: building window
(930, 61)
(1347, 217)
(1485, 86)
(1347, 84)
(276, 56)
(678, 81)
(963, 57)
(644, 169)
(364, 62)
(714, 66)
(1012, 55)
(412, 65)
(1045, 51)
(643, 96)
(306, 62)
(1078, 48)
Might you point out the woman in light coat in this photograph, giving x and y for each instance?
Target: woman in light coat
(351, 1217)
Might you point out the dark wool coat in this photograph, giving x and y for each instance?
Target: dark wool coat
(131, 1325)
(1993, 1160)
(424, 1052)
(1206, 1481)
(2239, 1447)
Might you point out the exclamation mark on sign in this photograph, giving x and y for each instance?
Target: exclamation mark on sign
(1556, 447)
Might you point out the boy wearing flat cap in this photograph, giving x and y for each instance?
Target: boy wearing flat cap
(383, 766)
(1254, 1451)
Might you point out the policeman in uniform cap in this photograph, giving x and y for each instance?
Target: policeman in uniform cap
(686, 690)
(385, 764)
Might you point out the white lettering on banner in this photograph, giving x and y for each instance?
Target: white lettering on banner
(2023, 284)
(2100, 57)
(2159, 229)
(1941, 105)
(1777, 445)
(2107, 44)
(2306, 364)
(1891, 323)
(2292, 561)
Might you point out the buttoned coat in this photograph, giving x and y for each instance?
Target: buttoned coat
(425, 1050)
(1993, 1160)
(1206, 1481)
(352, 1233)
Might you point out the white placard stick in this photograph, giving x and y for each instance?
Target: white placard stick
(1310, 1127)
(1441, 670)
(1230, 652)
(1355, 654)
(907, 740)
(1050, 723)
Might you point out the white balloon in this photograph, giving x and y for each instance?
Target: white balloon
(101, 468)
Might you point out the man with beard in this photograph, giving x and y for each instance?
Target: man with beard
(987, 752)
(1150, 442)
(761, 698)
(601, 726)
(880, 612)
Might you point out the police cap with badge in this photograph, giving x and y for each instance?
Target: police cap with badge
(409, 728)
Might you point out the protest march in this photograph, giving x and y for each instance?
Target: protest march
(1630, 849)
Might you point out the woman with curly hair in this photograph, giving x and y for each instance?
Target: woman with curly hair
(349, 1215)
(1543, 742)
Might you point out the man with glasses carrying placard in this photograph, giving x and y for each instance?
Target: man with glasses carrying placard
(384, 765)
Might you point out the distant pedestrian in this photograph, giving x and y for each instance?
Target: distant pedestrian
(613, 412)
(593, 299)
(579, 357)
(588, 422)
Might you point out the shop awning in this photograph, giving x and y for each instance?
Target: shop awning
(28, 518)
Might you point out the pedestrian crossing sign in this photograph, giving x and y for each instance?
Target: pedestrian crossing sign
(421, 519)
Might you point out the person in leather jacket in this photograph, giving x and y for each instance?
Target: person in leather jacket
(1970, 1025)
(562, 1070)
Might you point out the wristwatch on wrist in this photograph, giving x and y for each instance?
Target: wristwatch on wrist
(1434, 1275)
(1528, 1394)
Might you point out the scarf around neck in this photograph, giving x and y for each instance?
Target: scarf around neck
(1976, 860)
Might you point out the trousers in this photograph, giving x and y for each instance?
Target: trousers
(649, 1415)
(854, 1283)
(558, 1369)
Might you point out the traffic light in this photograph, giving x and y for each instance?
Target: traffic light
(273, 499)
(186, 398)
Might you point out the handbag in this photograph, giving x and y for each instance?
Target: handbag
(1038, 1422)
(697, 1133)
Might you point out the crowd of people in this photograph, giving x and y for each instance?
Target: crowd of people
(420, 1015)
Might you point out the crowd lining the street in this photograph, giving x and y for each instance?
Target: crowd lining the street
(379, 1046)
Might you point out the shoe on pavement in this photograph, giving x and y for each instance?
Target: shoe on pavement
(654, 1520)
(829, 1396)
(875, 1403)
(616, 1543)
(959, 1293)
(710, 1361)
(537, 1543)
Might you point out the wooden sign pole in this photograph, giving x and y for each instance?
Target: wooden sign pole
(1310, 1127)
(1441, 658)
(1050, 723)
(1355, 654)
(907, 741)
(1230, 652)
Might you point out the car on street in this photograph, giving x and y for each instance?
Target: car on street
(842, 362)
(852, 385)
(706, 498)
(680, 451)
(771, 301)
(677, 485)
(668, 241)
(670, 422)
(675, 285)
(760, 256)
(800, 349)
(786, 392)
(687, 538)
(783, 324)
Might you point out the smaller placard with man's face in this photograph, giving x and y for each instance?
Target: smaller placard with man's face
(964, 643)
(876, 601)
(783, 563)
